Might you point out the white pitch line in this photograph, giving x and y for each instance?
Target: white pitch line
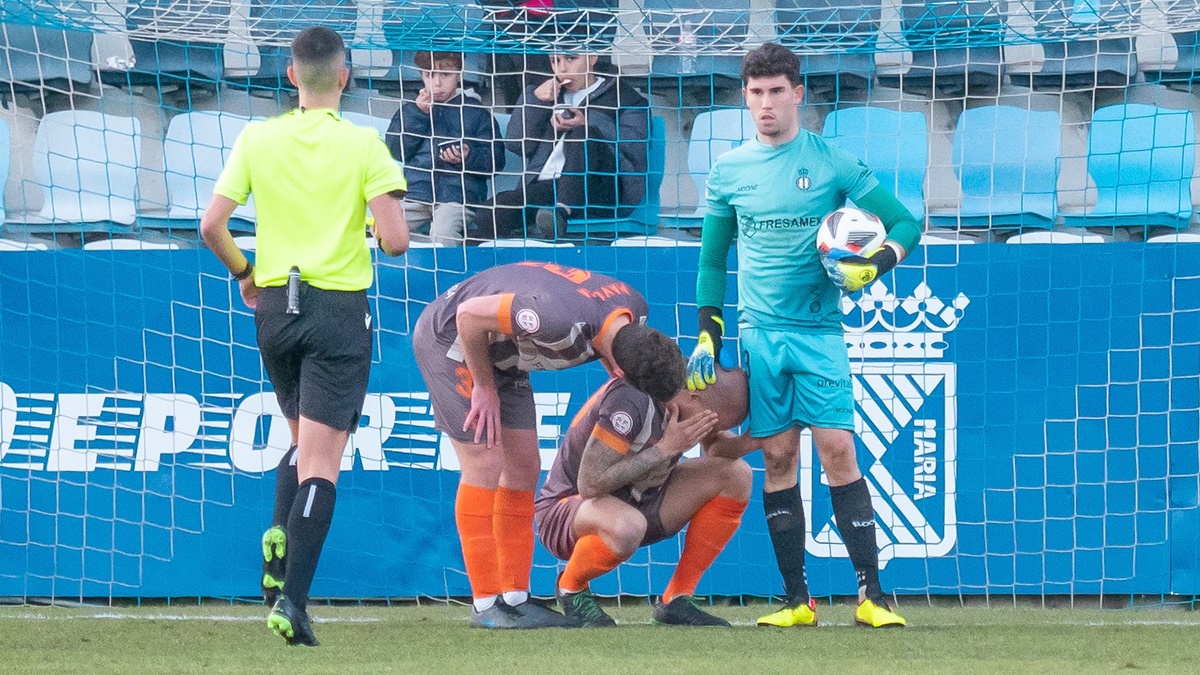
(181, 617)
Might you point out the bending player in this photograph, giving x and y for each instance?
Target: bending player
(617, 483)
(476, 345)
(778, 186)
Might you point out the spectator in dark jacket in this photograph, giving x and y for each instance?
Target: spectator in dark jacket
(450, 147)
(584, 137)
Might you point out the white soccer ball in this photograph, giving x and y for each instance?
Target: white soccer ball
(850, 230)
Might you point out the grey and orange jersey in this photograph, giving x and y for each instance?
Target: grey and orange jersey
(626, 420)
(549, 314)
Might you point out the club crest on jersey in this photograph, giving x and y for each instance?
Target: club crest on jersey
(528, 320)
(803, 182)
(905, 424)
(622, 422)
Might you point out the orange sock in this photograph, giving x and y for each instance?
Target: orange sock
(590, 559)
(473, 514)
(513, 530)
(711, 528)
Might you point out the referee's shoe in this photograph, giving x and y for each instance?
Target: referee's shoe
(291, 623)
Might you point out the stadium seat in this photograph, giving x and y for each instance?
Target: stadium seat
(654, 241)
(835, 40)
(129, 245)
(448, 26)
(5, 158)
(514, 164)
(272, 22)
(677, 29)
(380, 124)
(1056, 237)
(1177, 238)
(714, 132)
(34, 57)
(1186, 69)
(524, 243)
(955, 47)
(644, 218)
(173, 63)
(1141, 158)
(1007, 161)
(894, 144)
(194, 151)
(1075, 63)
(86, 164)
(14, 245)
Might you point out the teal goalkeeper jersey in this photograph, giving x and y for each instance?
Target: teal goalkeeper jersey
(778, 197)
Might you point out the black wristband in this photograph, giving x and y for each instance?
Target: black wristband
(245, 273)
(710, 320)
(884, 260)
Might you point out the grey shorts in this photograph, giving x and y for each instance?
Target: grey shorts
(554, 520)
(449, 383)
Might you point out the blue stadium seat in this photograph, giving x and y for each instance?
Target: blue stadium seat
(677, 28)
(714, 133)
(894, 144)
(86, 163)
(1141, 158)
(194, 151)
(33, 57)
(514, 164)
(380, 124)
(955, 47)
(1083, 63)
(183, 64)
(835, 40)
(279, 20)
(1187, 66)
(644, 218)
(452, 27)
(1007, 160)
(5, 154)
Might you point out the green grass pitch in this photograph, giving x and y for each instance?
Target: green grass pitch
(216, 638)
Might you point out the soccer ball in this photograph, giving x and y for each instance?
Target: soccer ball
(850, 230)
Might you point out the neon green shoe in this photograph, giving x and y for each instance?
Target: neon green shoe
(274, 548)
(804, 614)
(877, 615)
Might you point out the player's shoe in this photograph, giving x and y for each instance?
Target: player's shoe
(877, 615)
(803, 614)
(583, 608)
(497, 617)
(685, 611)
(291, 623)
(533, 614)
(274, 548)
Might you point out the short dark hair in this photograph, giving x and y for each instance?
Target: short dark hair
(317, 44)
(770, 60)
(427, 60)
(651, 361)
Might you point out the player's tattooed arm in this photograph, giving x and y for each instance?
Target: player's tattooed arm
(604, 469)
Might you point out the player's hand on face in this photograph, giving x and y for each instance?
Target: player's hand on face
(424, 100)
(548, 90)
(702, 365)
(484, 415)
(682, 435)
(249, 292)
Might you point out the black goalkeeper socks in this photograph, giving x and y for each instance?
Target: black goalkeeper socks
(785, 522)
(855, 518)
(286, 485)
(307, 525)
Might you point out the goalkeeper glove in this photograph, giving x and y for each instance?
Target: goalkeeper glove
(701, 367)
(853, 272)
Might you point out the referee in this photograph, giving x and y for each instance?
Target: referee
(313, 176)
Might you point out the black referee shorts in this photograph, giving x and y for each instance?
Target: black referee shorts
(320, 359)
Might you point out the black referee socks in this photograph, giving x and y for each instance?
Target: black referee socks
(307, 525)
(286, 484)
(855, 518)
(785, 522)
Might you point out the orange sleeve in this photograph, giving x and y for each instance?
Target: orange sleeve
(504, 314)
(610, 439)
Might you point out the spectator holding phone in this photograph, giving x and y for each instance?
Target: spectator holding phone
(584, 137)
(449, 145)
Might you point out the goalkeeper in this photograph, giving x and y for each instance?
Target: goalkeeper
(775, 189)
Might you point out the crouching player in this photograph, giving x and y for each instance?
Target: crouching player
(617, 483)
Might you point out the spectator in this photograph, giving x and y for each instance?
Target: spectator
(584, 137)
(448, 144)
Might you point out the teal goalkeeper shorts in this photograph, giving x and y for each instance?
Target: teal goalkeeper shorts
(797, 379)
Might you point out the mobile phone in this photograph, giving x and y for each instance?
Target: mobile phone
(564, 111)
(448, 144)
